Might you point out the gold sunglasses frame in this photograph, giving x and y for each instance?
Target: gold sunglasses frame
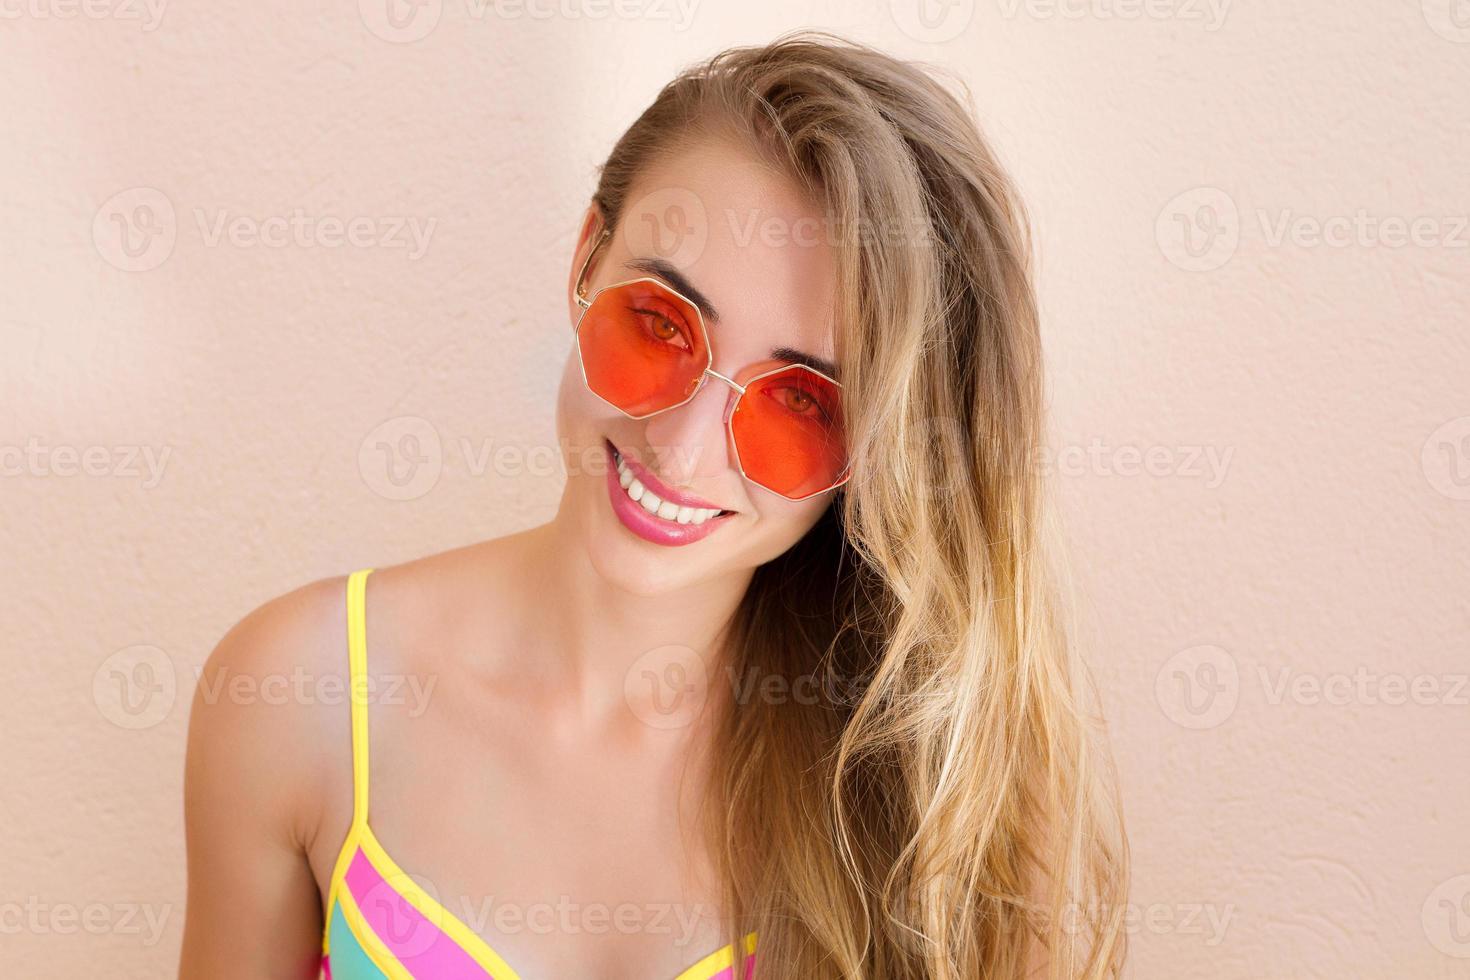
(586, 302)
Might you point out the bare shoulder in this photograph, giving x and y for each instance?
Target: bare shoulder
(270, 716)
(438, 580)
(268, 706)
(268, 734)
(417, 609)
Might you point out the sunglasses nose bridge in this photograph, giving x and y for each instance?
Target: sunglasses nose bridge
(710, 372)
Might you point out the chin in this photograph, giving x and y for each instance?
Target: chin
(633, 566)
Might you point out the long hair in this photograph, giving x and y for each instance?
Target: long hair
(942, 809)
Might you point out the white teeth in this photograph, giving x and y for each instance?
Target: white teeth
(665, 509)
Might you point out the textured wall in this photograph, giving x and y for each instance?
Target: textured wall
(1254, 273)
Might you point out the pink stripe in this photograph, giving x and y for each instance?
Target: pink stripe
(728, 973)
(417, 941)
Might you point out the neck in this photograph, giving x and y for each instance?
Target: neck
(618, 649)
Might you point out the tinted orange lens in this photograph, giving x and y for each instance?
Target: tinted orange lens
(642, 347)
(789, 432)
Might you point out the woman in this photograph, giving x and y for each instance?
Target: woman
(785, 672)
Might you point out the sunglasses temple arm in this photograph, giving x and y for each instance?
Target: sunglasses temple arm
(582, 301)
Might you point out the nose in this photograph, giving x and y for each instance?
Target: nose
(729, 402)
(691, 440)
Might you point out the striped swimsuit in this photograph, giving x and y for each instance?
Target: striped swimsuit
(380, 924)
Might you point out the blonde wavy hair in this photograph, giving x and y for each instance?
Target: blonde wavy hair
(944, 810)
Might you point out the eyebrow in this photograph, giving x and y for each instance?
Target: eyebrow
(802, 357)
(665, 271)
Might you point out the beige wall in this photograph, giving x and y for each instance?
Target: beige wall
(1299, 520)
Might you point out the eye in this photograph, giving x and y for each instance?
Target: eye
(800, 401)
(662, 328)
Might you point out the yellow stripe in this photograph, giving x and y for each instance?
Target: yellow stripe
(356, 685)
(357, 680)
(381, 956)
(399, 881)
(335, 883)
(717, 961)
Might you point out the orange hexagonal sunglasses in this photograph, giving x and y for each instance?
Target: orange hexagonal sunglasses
(644, 349)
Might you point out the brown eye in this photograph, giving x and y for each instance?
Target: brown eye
(663, 329)
(797, 400)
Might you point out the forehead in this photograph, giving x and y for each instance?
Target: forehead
(743, 234)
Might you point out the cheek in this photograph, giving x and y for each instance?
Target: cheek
(573, 401)
(782, 523)
(574, 410)
(582, 420)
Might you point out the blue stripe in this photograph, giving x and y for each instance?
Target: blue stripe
(348, 959)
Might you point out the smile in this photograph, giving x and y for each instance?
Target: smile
(665, 515)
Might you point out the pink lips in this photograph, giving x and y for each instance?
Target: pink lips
(648, 526)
